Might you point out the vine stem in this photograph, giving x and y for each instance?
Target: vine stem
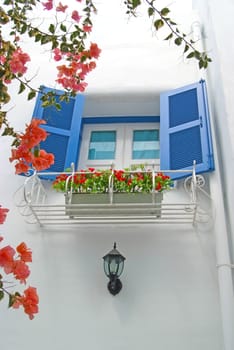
(167, 22)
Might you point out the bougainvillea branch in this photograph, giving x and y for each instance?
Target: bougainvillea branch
(66, 38)
(26, 153)
(14, 263)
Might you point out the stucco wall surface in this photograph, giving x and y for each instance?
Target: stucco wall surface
(170, 297)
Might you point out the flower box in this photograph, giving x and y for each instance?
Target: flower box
(87, 198)
(137, 197)
(75, 201)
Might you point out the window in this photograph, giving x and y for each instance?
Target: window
(102, 145)
(145, 144)
(118, 144)
(184, 134)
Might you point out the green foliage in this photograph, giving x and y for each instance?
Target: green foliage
(158, 24)
(129, 180)
(31, 94)
(161, 19)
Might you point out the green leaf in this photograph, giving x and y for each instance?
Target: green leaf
(190, 55)
(52, 28)
(31, 95)
(135, 3)
(169, 37)
(150, 11)
(23, 28)
(54, 43)
(165, 11)
(22, 88)
(201, 64)
(178, 41)
(8, 131)
(58, 106)
(37, 37)
(63, 27)
(197, 55)
(186, 48)
(64, 47)
(36, 151)
(1, 294)
(158, 24)
(45, 39)
(46, 103)
(11, 300)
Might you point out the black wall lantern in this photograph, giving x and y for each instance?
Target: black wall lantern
(113, 267)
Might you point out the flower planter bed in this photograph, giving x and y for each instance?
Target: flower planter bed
(106, 204)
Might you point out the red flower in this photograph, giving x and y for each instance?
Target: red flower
(94, 50)
(57, 54)
(29, 301)
(158, 186)
(87, 29)
(43, 161)
(21, 167)
(18, 61)
(20, 270)
(3, 214)
(24, 252)
(25, 155)
(7, 258)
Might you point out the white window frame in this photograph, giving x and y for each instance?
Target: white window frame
(124, 143)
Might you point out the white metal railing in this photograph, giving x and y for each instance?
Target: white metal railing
(37, 204)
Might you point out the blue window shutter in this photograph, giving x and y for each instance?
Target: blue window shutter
(185, 133)
(64, 129)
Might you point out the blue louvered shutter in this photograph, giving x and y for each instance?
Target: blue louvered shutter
(64, 129)
(185, 133)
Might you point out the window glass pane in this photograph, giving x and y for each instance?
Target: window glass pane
(102, 145)
(145, 144)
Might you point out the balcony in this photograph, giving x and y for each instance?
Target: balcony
(40, 204)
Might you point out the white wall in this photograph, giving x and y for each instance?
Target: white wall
(216, 28)
(170, 296)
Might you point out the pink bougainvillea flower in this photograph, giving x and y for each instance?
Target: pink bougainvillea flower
(61, 8)
(29, 300)
(48, 5)
(43, 161)
(24, 252)
(7, 258)
(75, 16)
(57, 54)
(2, 59)
(94, 50)
(3, 214)
(87, 29)
(18, 61)
(20, 270)
(21, 167)
(27, 153)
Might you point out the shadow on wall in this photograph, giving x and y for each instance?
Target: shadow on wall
(125, 104)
